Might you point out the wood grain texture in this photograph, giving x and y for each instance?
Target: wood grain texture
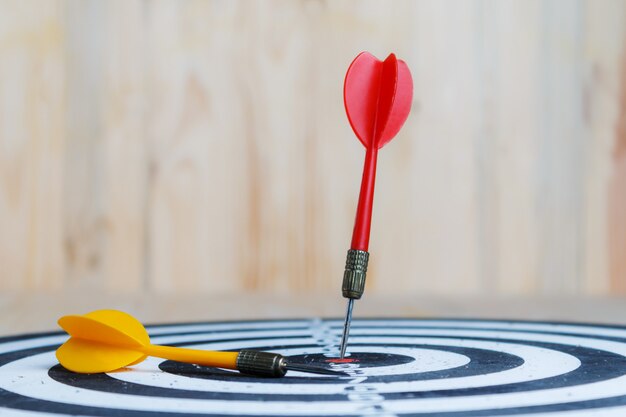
(202, 146)
(605, 182)
(32, 145)
(617, 197)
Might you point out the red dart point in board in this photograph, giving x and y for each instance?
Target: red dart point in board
(377, 96)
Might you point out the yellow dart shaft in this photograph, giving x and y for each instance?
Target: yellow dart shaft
(213, 359)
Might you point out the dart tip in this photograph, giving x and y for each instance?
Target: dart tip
(314, 369)
(346, 328)
(342, 354)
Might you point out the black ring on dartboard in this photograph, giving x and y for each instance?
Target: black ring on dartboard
(482, 362)
(104, 382)
(607, 358)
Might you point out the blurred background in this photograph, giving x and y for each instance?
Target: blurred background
(193, 160)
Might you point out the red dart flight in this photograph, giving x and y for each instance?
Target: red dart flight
(377, 96)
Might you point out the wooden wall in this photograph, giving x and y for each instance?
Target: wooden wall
(179, 146)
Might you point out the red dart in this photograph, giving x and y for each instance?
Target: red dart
(377, 96)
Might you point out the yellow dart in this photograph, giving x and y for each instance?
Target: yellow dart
(107, 340)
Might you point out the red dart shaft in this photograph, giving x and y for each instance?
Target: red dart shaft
(363, 220)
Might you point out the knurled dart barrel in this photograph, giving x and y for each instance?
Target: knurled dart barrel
(355, 273)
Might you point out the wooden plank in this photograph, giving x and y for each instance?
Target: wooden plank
(605, 183)
(615, 94)
(427, 188)
(125, 162)
(105, 164)
(84, 224)
(561, 167)
(196, 128)
(32, 97)
(507, 148)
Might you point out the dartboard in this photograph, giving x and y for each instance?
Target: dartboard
(394, 367)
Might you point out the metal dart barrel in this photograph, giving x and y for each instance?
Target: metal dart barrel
(257, 363)
(352, 288)
(354, 274)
